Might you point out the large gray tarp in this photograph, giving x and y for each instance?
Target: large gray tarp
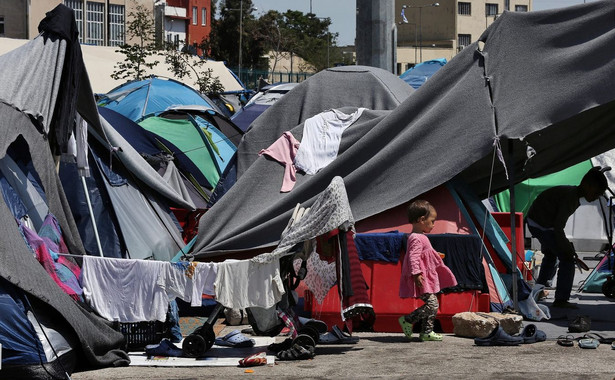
(19, 266)
(542, 80)
(357, 86)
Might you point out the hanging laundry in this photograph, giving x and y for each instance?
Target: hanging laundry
(244, 283)
(321, 139)
(284, 150)
(188, 281)
(128, 290)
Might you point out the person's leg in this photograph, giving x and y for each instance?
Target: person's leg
(548, 266)
(565, 278)
(431, 309)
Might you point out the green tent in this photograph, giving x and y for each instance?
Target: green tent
(195, 142)
(528, 190)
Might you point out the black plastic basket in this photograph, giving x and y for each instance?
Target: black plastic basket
(140, 334)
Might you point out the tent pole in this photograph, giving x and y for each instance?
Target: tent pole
(513, 227)
(87, 198)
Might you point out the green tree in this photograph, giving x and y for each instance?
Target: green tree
(300, 34)
(187, 65)
(140, 28)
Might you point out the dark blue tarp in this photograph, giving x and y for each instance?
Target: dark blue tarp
(20, 343)
(244, 117)
(417, 75)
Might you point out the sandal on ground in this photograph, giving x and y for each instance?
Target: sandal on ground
(235, 339)
(531, 334)
(337, 336)
(296, 352)
(589, 343)
(601, 339)
(277, 347)
(406, 327)
(431, 337)
(565, 340)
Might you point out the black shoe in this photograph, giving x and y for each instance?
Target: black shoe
(564, 304)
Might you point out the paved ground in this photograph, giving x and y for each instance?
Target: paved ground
(391, 355)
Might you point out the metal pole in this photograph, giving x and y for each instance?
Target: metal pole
(513, 227)
(87, 200)
(415, 37)
(240, 34)
(328, 44)
(421, 30)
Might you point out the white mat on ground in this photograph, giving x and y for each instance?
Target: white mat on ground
(216, 356)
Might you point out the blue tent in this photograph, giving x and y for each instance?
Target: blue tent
(417, 75)
(138, 99)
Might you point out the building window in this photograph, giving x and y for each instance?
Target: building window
(116, 25)
(195, 15)
(464, 8)
(520, 8)
(1, 25)
(95, 19)
(203, 16)
(77, 7)
(506, 5)
(463, 40)
(491, 9)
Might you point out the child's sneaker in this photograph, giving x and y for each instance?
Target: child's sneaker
(432, 336)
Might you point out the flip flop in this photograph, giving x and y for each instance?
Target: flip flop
(405, 326)
(235, 339)
(565, 340)
(589, 343)
(337, 336)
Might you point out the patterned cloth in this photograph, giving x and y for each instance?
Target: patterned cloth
(426, 313)
(320, 276)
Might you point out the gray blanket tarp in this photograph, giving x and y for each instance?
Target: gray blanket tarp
(542, 79)
(356, 86)
(19, 266)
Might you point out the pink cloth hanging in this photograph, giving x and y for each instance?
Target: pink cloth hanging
(284, 150)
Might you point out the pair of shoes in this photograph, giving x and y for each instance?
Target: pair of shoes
(277, 347)
(337, 336)
(303, 347)
(499, 337)
(565, 340)
(531, 334)
(164, 348)
(235, 339)
(588, 343)
(259, 358)
(406, 326)
(581, 323)
(564, 304)
(431, 337)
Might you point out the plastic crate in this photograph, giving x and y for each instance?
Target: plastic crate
(140, 334)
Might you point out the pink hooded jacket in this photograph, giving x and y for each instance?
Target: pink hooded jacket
(422, 258)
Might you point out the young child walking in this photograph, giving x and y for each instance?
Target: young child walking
(423, 272)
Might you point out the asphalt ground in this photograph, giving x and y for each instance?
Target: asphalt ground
(393, 356)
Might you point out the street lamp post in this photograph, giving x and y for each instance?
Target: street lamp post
(240, 9)
(420, 7)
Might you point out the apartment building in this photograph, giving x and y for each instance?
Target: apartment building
(103, 22)
(441, 29)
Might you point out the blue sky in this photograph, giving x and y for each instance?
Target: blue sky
(342, 12)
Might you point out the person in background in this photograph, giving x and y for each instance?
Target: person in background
(423, 272)
(546, 220)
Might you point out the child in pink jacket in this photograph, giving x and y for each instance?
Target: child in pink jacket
(423, 272)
